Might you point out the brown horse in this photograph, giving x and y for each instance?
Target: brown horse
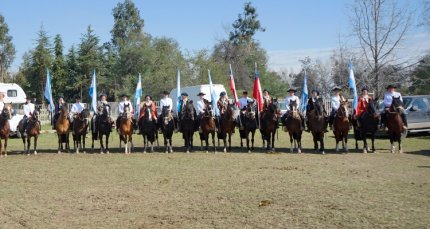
(63, 128)
(33, 130)
(269, 119)
(249, 126)
(317, 125)
(207, 124)
(292, 122)
(5, 115)
(341, 126)
(395, 124)
(126, 129)
(368, 124)
(227, 125)
(80, 128)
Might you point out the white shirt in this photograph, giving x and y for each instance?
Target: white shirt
(77, 108)
(164, 102)
(28, 109)
(335, 102)
(1, 106)
(200, 107)
(289, 98)
(243, 102)
(388, 98)
(122, 104)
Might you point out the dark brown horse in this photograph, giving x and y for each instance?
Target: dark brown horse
(104, 127)
(341, 126)
(80, 127)
(5, 115)
(317, 125)
(207, 124)
(249, 126)
(147, 128)
(125, 129)
(187, 128)
(227, 125)
(269, 119)
(33, 130)
(63, 128)
(292, 122)
(167, 127)
(395, 124)
(368, 125)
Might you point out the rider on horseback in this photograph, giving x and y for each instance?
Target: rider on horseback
(336, 99)
(2, 95)
(166, 101)
(222, 105)
(293, 97)
(363, 101)
(266, 99)
(28, 112)
(121, 105)
(201, 108)
(104, 105)
(57, 109)
(148, 103)
(388, 99)
(243, 104)
(315, 97)
(77, 108)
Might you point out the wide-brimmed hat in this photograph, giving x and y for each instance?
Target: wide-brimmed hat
(184, 94)
(124, 95)
(60, 96)
(391, 86)
(245, 92)
(77, 97)
(150, 97)
(165, 93)
(222, 93)
(336, 88)
(315, 90)
(201, 94)
(102, 94)
(292, 89)
(265, 90)
(364, 89)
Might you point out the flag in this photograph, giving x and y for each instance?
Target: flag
(93, 92)
(233, 88)
(178, 92)
(352, 85)
(48, 91)
(137, 96)
(213, 95)
(304, 92)
(257, 93)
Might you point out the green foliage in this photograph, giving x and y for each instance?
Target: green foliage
(421, 77)
(7, 49)
(245, 27)
(127, 23)
(41, 60)
(58, 76)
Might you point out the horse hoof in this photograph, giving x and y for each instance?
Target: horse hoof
(225, 150)
(84, 152)
(107, 152)
(249, 151)
(35, 152)
(323, 153)
(299, 151)
(207, 151)
(291, 150)
(144, 152)
(59, 152)
(364, 151)
(166, 151)
(374, 151)
(188, 151)
(400, 151)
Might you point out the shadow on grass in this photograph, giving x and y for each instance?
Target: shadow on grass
(420, 152)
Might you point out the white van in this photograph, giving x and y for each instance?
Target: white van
(194, 90)
(15, 95)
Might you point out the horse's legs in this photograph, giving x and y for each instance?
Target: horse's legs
(165, 142)
(373, 143)
(207, 143)
(107, 142)
(365, 147)
(321, 136)
(252, 139)
(59, 143)
(273, 140)
(83, 142)
(229, 142)
(400, 145)
(314, 136)
(224, 139)
(5, 147)
(346, 143)
(392, 143)
(213, 142)
(144, 143)
(299, 142)
(1, 148)
(28, 144)
(24, 143)
(102, 147)
(241, 142)
(291, 142)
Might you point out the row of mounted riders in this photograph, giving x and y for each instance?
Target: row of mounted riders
(188, 122)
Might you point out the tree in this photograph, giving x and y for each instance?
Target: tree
(71, 76)
(58, 76)
(420, 77)
(7, 49)
(380, 26)
(41, 60)
(246, 26)
(127, 23)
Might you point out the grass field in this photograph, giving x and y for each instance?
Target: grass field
(233, 190)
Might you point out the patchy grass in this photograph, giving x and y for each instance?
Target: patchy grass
(233, 190)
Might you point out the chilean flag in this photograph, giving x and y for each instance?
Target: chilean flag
(257, 93)
(233, 88)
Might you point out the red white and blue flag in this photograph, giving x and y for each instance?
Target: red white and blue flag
(233, 88)
(257, 93)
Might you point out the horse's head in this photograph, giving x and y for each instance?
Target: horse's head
(127, 111)
(166, 114)
(371, 108)
(318, 108)
(293, 105)
(209, 112)
(230, 109)
(343, 109)
(250, 110)
(36, 114)
(85, 116)
(7, 111)
(274, 106)
(188, 112)
(65, 109)
(397, 104)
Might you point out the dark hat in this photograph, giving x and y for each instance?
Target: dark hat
(60, 96)
(166, 93)
(184, 94)
(292, 89)
(315, 90)
(102, 94)
(265, 90)
(336, 88)
(77, 96)
(245, 92)
(201, 94)
(124, 95)
(391, 86)
(222, 93)
(150, 97)
(250, 101)
(364, 89)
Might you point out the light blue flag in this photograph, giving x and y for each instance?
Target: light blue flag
(137, 97)
(304, 92)
(93, 92)
(48, 91)
(178, 92)
(213, 95)
(352, 85)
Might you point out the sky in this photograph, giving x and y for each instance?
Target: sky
(294, 29)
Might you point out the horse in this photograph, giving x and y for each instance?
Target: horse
(147, 128)
(317, 125)
(249, 125)
(207, 125)
(103, 126)
(125, 129)
(33, 130)
(62, 126)
(292, 122)
(79, 128)
(395, 124)
(5, 115)
(341, 126)
(227, 125)
(368, 125)
(167, 127)
(268, 125)
(187, 128)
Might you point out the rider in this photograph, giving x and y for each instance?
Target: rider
(222, 105)
(77, 108)
(315, 96)
(148, 103)
(201, 107)
(266, 99)
(182, 104)
(57, 109)
(121, 106)
(292, 97)
(388, 99)
(166, 101)
(28, 112)
(363, 101)
(243, 104)
(336, 99)
(2, 95)
(105, 105)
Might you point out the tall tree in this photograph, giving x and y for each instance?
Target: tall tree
(7, 49)
(71, 75)
(41, 60)
(421, 77)
(58, 75)
(246, 26)
(380, 26)
(127, 22)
